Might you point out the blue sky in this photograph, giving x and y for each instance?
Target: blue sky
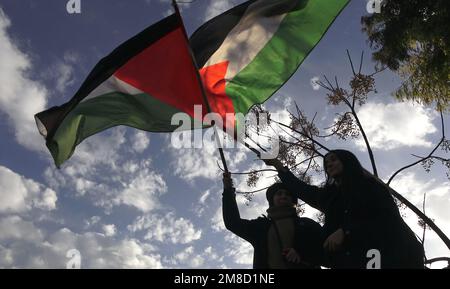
(127, 198)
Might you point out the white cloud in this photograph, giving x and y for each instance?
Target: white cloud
(239, 250)
(18, 194)
(109, 230)
(91, 221)
(166, 228)
(104, 170)
(83, 185)
(196, 261)
(204, 197)
(217, 221)
(437, 199)
(189, 258)
(201, 162)
(97, 250)
(133, 254)
(413, 187)
(190, 163)
(184, 254)
(20, 97)
(140, 141)
(65, 78)
(186, 257)
(143, 191)
(394, 125)
(101, 149)
(45, 200)
(13, 227)
(212, 254)
(313, 81)
(170, 10)
(408, 183)
(217, 7)
(201, 205)
(61, 73)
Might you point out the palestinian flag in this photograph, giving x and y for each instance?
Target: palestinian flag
(141, 84)
(247, 53)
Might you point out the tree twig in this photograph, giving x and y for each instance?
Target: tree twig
(425, 226)
(424, 158)
(351, 63)
(421, 215)
(366, 141)
(358, 123)
(361, 62)
(304, 135)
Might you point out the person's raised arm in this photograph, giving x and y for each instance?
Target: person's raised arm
(312, 195)
(231, 217)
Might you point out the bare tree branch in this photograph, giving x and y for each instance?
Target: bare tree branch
(424, 227)
(307, 168)
(329, 83)
(366, 141)
(321, 84)
(432, 157)
(423, 158)
(247, 173)
(421, 215)
(304, 135)
(361, 62)
(351, 63)
(338, 93)
(338, 124)
(252, 192)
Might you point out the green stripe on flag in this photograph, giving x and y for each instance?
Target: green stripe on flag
(102, 112)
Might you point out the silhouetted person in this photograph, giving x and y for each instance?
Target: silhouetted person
(360, 214)
(282, 240)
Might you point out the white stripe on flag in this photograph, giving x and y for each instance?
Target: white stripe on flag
(250, 35)
(113, 84)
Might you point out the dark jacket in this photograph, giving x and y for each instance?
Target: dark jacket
(370, 220)
(308, 238)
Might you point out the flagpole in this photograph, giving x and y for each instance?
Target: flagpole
(208, 108)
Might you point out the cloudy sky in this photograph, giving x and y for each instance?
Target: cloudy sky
(127, 198)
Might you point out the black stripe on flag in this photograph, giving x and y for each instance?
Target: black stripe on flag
(49, 120)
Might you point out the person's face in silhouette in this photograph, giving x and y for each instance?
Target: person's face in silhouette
(333, 166)
(282, 198)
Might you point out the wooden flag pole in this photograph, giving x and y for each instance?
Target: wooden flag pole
(208, 107)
